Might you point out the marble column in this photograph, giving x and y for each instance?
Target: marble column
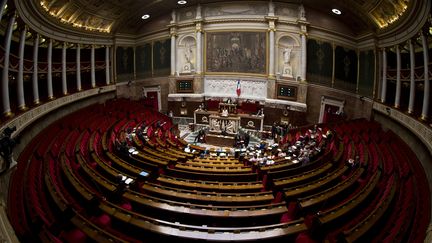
(5, 75)
(271, 50)
(64, 77)
(49, 75)
(107, 65)
(425, 109)
(384, 77)
(20, 81)
(199, 50)
(92, 67)
(173, 53)
(412, 78)
(303, 56)
(398, 77)
(36, 100)
(78, 67)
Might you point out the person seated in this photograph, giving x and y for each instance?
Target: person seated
(260, 112)
(224, 112)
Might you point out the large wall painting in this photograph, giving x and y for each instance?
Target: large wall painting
(238, 52)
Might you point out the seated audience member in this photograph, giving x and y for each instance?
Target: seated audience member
(260, 112)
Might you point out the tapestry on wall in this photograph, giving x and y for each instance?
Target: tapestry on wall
(143, 60)
(238, 52)
(319, 62)
(345, 69)
(162, 57)
(367, 73)
(124, 61)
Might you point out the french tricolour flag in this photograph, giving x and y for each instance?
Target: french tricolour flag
(238, 90)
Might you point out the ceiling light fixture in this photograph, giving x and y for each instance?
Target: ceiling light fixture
(336, 11)
(145, 16)
(181, 2)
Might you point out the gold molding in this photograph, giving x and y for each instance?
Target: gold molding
(51, 98)
(8, 114)
(23, 108)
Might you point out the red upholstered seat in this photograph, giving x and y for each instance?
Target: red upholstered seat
(304, 237)
(74, 236)
(103, 221)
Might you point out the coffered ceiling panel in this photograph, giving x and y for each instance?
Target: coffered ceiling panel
(124, 16)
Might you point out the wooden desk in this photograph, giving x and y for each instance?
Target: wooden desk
(209, 197)
(372, 219)
(209, 185)
(332, 214)
(303, 177)
(190, 232)
(214, 169)
(192, 211)
(326, 195)
(311, 187)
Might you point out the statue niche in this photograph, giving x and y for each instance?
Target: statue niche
(188, 56)
(288, 57)
(287, 68)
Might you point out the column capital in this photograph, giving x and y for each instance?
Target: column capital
(198, 27)
(173, 31)
(272, 26)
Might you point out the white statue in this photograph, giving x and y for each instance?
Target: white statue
(188, 53)
(287, 68)
(287, 55)
(230, 127)
(216, 125)
(224, 112)
(302, 14)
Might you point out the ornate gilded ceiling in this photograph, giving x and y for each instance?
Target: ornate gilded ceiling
(124, 16)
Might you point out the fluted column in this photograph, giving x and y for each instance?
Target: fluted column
(384, 77)
(64, 77)
(271, 50)
(93, 75)
(78, 67)
(5, 75)
(199, 50)
(107, 65)
(412, 77)
(49, 75)
(173, 52)
(20, 81)
(303, 56)
(398, 77)
(425, 109)
(36, 100)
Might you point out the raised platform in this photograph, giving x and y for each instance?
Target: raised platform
(220, 140)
